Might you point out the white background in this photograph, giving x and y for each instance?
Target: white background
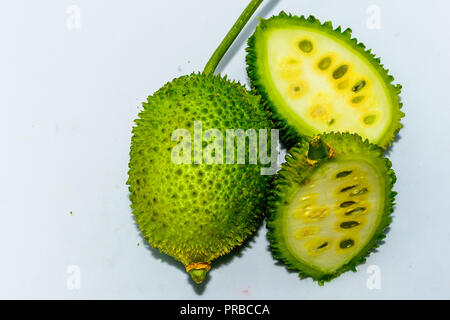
(68, 99)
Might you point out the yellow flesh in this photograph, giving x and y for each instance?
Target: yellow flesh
(315, 215)
(315, 96)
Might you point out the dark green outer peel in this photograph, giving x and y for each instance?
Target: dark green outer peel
(195, 232)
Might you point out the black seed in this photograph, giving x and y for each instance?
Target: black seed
(343, 174)
(323, 245)
(305, 46)
(347, 204)
(359, 85)
(355, 211)
(347, 243)
(370, 119)
(358, 192)
(349, 224)
(325, 63)
(348, 188)
(340, 72)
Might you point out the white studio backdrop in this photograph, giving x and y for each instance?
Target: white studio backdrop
(73, 75)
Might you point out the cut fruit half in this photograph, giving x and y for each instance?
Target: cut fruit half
(315, 79)
(333, 203)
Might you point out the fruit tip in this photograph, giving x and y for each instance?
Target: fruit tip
(198, 271)
(198, 275)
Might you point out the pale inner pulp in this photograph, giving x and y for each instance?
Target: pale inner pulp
(326, 84)
(335, 214)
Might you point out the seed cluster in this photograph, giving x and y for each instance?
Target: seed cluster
(350, 209)
(340, 73)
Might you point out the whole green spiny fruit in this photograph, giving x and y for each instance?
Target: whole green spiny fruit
(197, 209)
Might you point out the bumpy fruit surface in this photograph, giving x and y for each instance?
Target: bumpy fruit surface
(195, 212)
(318, 79)
(333, 202)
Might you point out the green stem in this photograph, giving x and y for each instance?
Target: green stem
(318, 149)
(231, 36)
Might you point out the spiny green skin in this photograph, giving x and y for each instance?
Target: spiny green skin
(297, 170)
(290, 135)
(195, 213)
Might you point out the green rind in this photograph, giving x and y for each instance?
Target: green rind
(195, 232)
(290, 135)
(296, 170)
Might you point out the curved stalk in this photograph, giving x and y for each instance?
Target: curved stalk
(231, 36)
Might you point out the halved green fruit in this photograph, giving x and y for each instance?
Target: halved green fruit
(333, 202)
(316, 79)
